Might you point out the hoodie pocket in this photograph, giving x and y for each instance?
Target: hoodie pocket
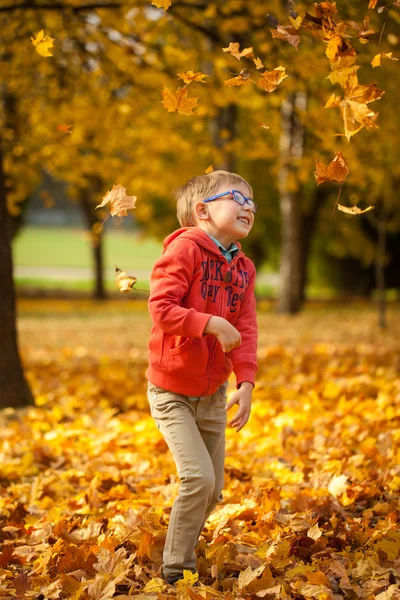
(184, 345)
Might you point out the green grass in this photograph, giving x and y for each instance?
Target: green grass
(54, 247)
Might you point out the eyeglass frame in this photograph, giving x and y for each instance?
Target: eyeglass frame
(247, 200)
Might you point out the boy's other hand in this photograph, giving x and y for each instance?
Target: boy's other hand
(242, 397)
(226, 334)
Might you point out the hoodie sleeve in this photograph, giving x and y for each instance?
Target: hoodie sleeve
(244, 358)
(169, 283)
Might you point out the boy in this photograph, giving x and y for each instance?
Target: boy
(204, 327)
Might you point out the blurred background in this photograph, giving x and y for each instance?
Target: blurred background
(105, 78)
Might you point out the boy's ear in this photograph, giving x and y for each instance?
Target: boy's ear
(200, 211)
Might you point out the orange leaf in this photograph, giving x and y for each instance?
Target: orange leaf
(178, 101)
(64, 128)
(233, 48)
(120, 203)
(165, 4)
(337, 170)
(271, 79)
(258, 63)
(190, 76)
(241, 79)
(287, 34)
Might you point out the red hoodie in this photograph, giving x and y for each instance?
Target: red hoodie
(189, 283)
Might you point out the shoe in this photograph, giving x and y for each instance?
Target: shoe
(172, 579)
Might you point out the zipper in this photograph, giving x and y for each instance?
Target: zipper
(211, 355)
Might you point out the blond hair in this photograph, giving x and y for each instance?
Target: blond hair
(200, 187)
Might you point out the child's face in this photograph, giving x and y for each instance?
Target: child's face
(224, 218)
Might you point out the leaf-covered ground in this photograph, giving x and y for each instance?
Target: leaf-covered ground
(311, 502)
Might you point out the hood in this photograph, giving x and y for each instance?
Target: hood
(196, 234)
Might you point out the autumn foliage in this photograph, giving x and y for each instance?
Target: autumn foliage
(311, 498)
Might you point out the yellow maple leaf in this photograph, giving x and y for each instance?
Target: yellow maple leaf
(189, 578)
(354, 210)
(120, 203)
(178, 101)
(271, 79)
(165, 4)
(376, 61)
(190, 76)
(42, 43)
(209, 169)
(154, 585)
(233, 48)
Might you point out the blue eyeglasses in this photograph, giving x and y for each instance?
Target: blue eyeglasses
(238, 197)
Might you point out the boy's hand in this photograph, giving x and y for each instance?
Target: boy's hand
(226, 334)
(243, 398)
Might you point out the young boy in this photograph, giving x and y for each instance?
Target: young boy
(204, 327)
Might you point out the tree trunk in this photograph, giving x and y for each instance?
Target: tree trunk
(308, 225)
(380, 270)
(99, 291)
(224, 121)
(14, 390)
(291, 147)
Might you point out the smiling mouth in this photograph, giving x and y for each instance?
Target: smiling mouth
(244, 220)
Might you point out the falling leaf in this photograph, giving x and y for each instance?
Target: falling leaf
(271, 79)
(296, 21)
(287, 34)
(241, 79)
(372, 4)
(64, 128)
(337, 170)
(376, 61)
(354, 210)
(178, 101)
(333, 101)
(264, 126)
(120, 203)
(353, 106)
(124, 282)
(43, 43)
(190, 76)
(233, 48)
(165, 4)
(209, 169)
(258, 63)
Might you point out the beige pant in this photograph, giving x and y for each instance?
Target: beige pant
(195, 433)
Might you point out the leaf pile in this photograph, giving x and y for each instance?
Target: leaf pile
(311, 501)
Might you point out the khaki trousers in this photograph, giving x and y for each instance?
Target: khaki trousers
(194, 431)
